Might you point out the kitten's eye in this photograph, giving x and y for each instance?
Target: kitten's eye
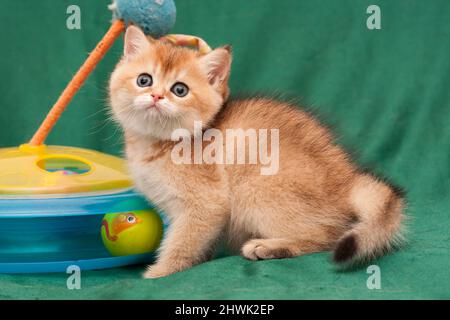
(145, 80)
(180, 89)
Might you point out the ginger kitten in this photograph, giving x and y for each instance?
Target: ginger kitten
(317, 199)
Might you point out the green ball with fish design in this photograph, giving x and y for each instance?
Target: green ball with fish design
(131, 232)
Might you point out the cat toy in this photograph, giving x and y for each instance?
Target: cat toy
(154, 17)
(62, 206)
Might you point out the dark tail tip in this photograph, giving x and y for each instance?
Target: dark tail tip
(346, 249)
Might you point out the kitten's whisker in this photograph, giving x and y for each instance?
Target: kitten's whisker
(98, 128)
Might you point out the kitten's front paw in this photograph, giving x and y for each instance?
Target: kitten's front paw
(156, 271)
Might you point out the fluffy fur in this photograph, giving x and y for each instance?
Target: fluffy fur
(318, 200)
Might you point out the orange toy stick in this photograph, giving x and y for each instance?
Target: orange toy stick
(77, 81)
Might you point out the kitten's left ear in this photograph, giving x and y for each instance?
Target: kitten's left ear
(217, 65)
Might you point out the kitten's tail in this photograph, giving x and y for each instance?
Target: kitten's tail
(379, 209)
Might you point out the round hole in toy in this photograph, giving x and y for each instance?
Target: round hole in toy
(65, 165)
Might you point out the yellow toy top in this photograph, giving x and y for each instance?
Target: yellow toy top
(37, 170)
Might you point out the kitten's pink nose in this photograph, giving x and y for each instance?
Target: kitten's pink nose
(157, 97)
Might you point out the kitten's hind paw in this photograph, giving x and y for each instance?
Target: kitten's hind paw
(259, 249)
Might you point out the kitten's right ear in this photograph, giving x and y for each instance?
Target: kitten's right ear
(135, 42)
(217, 64)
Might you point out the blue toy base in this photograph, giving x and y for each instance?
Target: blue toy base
(84, 265)
(43, 235)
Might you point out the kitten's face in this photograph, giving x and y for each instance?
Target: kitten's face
(158, 87)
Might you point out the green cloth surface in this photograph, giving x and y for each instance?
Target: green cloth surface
(386, 93)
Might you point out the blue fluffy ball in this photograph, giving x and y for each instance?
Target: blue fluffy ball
(154, 17)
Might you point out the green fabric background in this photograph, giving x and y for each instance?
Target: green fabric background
(386, 92)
